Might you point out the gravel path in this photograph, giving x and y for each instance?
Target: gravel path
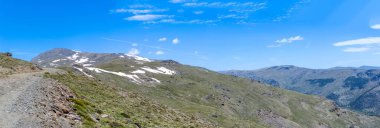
(30, 101)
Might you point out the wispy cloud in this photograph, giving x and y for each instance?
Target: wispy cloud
(159, 53)
(138, 11)
(285, 41)
(362, 41)
(174, 21)
(240, 11)
(180, 1)
(291, 10)
(360, 45)
(139, 6)
(136, 44)
(147, 17)
(357, 49)
(198, 12)
(175, 41)
(376, 26)
(233, 16)
(290, 39)
(120, 10)
(162, 39)
(222, 4)
(149, 14)
(133, 51)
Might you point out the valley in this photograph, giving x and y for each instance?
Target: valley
(354, 88)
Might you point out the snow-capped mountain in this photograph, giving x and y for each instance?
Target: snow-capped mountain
(90, 63)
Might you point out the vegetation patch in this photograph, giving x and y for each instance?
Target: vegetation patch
(353, 82)
(100, 105)
(320, 82)
(332, 96)
(9, 65)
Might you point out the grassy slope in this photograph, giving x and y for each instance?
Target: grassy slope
(125, 109)
(232, 102)
(9, 65)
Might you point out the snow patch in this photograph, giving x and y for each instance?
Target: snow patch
(166, 71)
(138, 72)
(55, 61)
(53, 65)
(87, 65)
(139, 58)
(156, 80)
(81, 70)
(82, 60)
(159, 70)
(73, 57)
(136, 79)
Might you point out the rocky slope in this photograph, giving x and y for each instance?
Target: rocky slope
(354, 88)
(29, 100)
(210, 98)
(9, 65)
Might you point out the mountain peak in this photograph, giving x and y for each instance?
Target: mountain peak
(283, 67)
(66, 57)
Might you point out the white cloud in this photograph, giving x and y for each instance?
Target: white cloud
(141, 6)
(289, 40)
(121, 10)
(274, 45)
(198, 12)
(360, 45)
(285, 41)
(291, 10)
(175, 41)
(135, 44)
(357, 49)
(376, 26)
(147, 17)
(173, 21)
(162, 39)
(177, 1)
(159, 53)
(145, 11)
(362, 41)
(233, 16)
(137, 11)
(222, 4)
(133, 51)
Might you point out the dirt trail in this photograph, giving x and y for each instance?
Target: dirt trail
(30, 101)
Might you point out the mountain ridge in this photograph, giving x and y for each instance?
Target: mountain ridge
(346, 86)
(221, 99)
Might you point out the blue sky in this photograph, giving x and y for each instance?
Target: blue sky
(216, 34)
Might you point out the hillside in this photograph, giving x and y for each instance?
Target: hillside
(211, 98)
(9, 65)
(29, 100)
(354, 88)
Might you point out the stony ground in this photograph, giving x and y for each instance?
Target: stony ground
(29, 100)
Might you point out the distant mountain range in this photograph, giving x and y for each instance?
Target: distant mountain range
(350, 87)
(361, 67)
(203, 98)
